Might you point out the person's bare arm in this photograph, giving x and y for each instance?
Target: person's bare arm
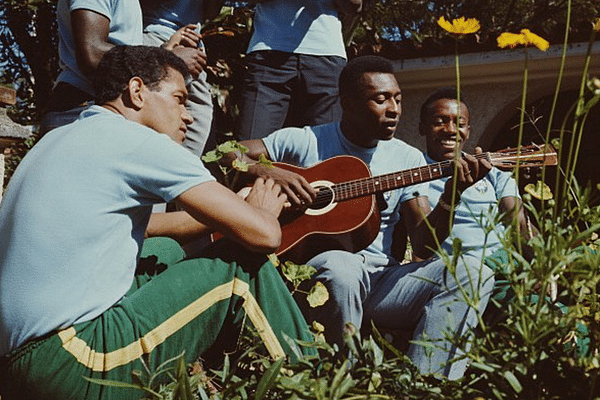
(295, 186)
(512, 207)
(178, 225)
(90, 33)
(426, 234)
(252, 223)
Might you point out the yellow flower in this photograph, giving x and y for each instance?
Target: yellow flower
(460, 26)
(526, 37)
(597, 25)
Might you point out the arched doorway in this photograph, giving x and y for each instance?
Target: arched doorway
(587, 170)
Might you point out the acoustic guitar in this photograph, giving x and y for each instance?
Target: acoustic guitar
(345, 214)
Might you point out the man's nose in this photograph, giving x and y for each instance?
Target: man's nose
(451, 126)
(187, 117)
(394, 107)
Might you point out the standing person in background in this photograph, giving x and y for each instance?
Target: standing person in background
(293, 62)
(162, 19)
(87, 29)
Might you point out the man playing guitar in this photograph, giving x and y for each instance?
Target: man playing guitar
(372, 285)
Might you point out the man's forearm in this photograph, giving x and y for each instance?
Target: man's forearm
(178, 225)
(432, 228)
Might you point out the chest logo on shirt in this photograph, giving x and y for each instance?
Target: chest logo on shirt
(481, 186)
(387, 196)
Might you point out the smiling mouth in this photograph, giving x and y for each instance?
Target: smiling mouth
(449, 143)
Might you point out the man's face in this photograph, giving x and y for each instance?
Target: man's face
(165, 107)
(377, 112)
(441, 131)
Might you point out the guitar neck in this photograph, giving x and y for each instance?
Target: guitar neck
(395, 180)
(525, 156)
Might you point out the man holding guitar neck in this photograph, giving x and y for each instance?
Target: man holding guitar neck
(371, 285)
(496, 192)
(479, 204)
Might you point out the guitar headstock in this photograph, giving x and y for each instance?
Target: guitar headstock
(530, 156)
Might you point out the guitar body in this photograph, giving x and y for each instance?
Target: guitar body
(349, 225)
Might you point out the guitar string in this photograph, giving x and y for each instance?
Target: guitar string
(357, 187)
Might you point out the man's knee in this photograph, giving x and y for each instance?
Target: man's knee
(338, 268)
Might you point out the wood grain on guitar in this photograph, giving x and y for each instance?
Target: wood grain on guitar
(345, 215)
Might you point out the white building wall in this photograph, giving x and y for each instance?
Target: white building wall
(492, 82)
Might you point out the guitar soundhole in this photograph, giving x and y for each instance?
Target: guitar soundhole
(324, 198)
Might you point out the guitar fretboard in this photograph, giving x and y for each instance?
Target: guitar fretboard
(527, 156)
(382, 183)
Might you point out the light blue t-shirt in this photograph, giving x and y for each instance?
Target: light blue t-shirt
(125, 27)
(73, 220)
(477, 209)
(308, 146)
(298, 26)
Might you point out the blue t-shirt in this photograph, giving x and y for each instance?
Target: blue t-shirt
(308, 146)
(74, 216)
(165, 17)
(125, 27)
(476, 212)
(298, 26)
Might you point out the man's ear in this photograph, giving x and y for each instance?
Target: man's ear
(135, 92)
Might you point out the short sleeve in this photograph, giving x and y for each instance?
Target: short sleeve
(504, 184)
(297, 146)
(164, 169)
(104, 7)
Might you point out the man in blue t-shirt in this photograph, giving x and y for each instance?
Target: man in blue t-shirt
(372, 285)
(480, 204)
(485, 209)
(76, 301)
(87, 29)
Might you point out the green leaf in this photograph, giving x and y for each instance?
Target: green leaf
(274, 259)
(184, 388)
(318, 295)
(108, 382)
(239, 165)
(513, 381)
(262, 159)
(212, 156)
(228, 146)
(268, 379)
(482, 367)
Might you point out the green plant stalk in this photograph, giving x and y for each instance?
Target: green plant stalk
(456, 152)
(561, 171)
(561, 70)
(515, 218)
(581, 101)
(574, 149)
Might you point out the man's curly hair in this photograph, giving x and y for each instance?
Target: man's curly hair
(121, 63)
